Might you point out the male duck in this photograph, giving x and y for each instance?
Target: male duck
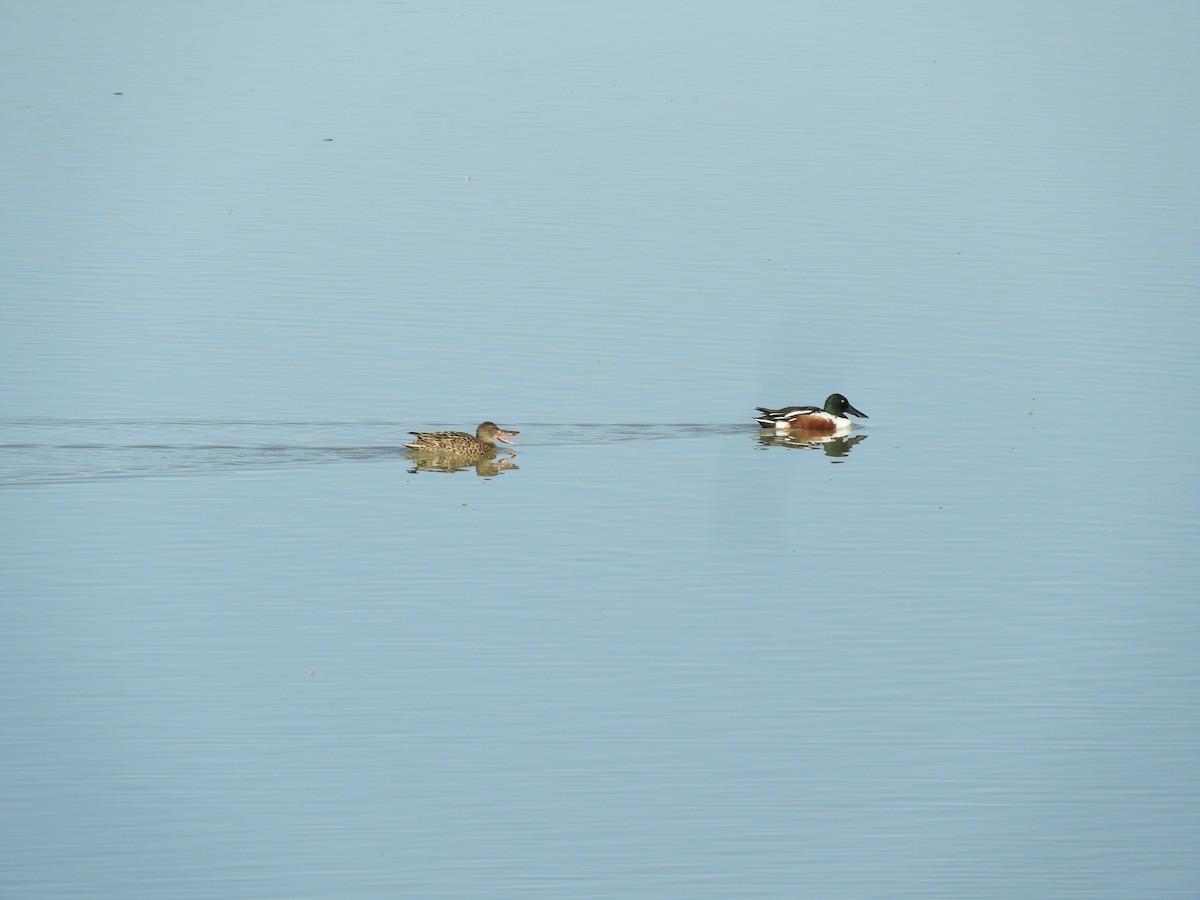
(461, 443)
(830, 420)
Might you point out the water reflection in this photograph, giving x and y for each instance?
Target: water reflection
(484, 466)
(833, 446)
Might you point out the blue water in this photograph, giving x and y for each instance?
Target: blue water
(251, 648)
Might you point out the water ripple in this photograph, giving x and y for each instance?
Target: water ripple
(45, 451)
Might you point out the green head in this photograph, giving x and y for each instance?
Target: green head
(837, 405)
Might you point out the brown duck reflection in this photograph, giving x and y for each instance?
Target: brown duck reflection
(831, 445)
(485, 466)
(452, 451)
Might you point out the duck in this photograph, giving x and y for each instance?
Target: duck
(460, 443)
(812, 419)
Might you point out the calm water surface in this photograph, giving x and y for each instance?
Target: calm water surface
(250, 648)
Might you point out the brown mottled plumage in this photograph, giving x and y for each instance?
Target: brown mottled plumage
(460, 443)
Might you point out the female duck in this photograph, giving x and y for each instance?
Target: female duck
(461, 443)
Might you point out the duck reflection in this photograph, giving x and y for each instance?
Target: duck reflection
(832, 445)
(485, 466)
